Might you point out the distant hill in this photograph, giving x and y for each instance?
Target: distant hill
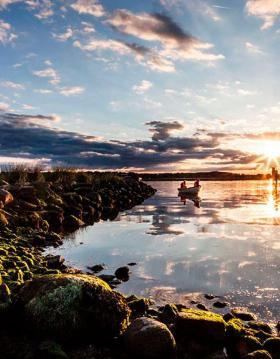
(204, 176)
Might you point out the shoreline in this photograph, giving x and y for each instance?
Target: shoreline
(30, 221)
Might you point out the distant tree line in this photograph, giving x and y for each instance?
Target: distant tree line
(204, 176)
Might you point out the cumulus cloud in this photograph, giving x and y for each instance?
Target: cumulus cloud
(12, 85)
(142, 87)
(35, 137)
(43, 8)
(267, 10)
(50, 73)
(91, 7)
(162, 130)
(71, 91)
(68, 34)
(6, 34)
(175, 44)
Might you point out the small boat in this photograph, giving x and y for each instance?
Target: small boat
(191, 191)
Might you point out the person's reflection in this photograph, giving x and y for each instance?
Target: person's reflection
(196, 200)
(275, 196)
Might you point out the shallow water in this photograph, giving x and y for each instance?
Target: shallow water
(230, 246)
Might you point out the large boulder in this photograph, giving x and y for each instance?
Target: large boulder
(200, 325)
(150, 339)
(73, 306)
(6, 197)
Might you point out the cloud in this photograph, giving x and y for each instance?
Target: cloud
(12, 85)
(4, 107)
(34, 137)
(162, 130)
(71, 91)
(28, 107)
(253, 49)
(176, 43)
(43, 91)
(142, 87)
(6, 34)
(43, 8)
(68, 34)
(244, 92)
(50, 73)
(90, 7)
(267, 10)
(5, 3)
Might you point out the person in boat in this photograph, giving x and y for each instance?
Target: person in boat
(183, 184)
(196, 183)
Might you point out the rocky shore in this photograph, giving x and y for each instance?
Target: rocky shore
(50, 311)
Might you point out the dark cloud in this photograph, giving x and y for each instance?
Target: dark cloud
(30, 137)
(150, 27)
(162, 130)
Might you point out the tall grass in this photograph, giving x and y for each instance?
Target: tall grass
(66, 176)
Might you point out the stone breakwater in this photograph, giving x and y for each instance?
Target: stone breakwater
(37, 214)
(50, 311)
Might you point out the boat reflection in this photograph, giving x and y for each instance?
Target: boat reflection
(195, 199)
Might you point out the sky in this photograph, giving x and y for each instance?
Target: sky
(154, 86)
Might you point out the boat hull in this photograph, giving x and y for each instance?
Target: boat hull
(189, 191)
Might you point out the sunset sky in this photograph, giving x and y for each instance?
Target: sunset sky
(163, 85)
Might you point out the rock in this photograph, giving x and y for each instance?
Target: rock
(138, 306)
(131, 264)
(6, 197)
(260, 326)
(246, 345)
(72, 223)
(169, 313)
(272, 345)
(209, 296)
(122, 273)
(150, 339)
(50, 350)
(97, 268)
(3, 220)
(259, 354)
(108, 278)
(243, 315)
(201, 306)
(5, 293)
(191, 323)
(227, 317)
(220, 304)
(68, 307)
(54, 261)
(54, 218)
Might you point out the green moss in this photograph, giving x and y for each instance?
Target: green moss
(235, 328)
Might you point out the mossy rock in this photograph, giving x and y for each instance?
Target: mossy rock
(207, 327)
(150, 339)
(72, 223)
(73, 307)
(169, 313)
(258, 354)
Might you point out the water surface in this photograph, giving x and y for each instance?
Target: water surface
(228, 244)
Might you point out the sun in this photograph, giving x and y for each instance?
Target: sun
(271, 149)
(269, 153)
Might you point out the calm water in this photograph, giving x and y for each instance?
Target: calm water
(230, 246)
